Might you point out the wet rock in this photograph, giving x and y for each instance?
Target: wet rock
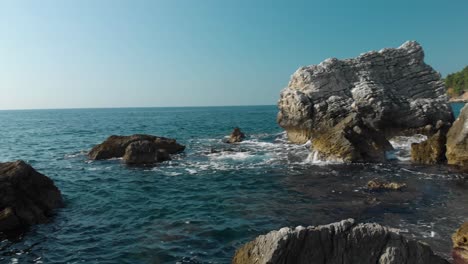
(457, 140)
(460, 245)
(375, 185)
(431, 151)
(144, 152)
(27, 197)
(236, 136)
(342, 242)
(137, 149)
(373, 89)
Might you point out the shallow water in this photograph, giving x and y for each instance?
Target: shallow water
(201, 206)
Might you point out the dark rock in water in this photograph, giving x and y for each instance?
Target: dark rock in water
(460, 245)
(144, 152)
(457, 140)
(236, 136)
(375, 185)
(431, 151)
(339, 142)
(390, 92)
(27, 197)
(136, 149)
(342, 242)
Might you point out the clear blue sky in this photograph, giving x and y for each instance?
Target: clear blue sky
(99, 53)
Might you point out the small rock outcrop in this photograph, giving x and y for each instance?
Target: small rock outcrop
(342, 242)
(457, 140)
(136, 149)
(384, 93)
(375, 185)
(27, 197)
(236, 136)
(460, 245)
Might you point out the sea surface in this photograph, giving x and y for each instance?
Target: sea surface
(205, 203)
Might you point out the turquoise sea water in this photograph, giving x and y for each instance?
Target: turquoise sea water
(201, 206)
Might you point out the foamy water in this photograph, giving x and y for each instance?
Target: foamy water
(204, 203)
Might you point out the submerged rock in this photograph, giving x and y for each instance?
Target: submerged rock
(387, 93)
(460, 245)
(27, 197)
(236, 136)
(457, 140)
(430, 151)
(136, 149)
(342, 242)
(375, 185)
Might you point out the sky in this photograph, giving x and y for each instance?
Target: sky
(136, 53)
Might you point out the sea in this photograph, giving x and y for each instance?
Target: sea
(208, 201)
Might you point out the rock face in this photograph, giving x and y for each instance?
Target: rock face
(460, 245)
(375, 185)
(342, 242)
(236, 136)
(26, 196)
(431, 151)
(384, 93)
(136, 149)
(457, 140)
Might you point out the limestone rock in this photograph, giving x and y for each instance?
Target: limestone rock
(391, 92)
(146, 148)
(375, 185)
(431, 151)
(27, 197)
(236, 136)
(457, 140)
(460, 245)
(342, 242)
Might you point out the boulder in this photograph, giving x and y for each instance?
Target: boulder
(136, 149)
(27, 197)
(460, 245)
(431, 151)
(236, 136)
(376, 185)
(457, 140)
(144, 152)
(342, 242)
(388, 93)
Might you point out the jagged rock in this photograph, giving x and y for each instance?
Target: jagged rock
(460, 245)
(375, 185)
(342, 242)
(236, 136)
(27, 197)
(457, 140)
(136, 149)
(389, 92)
(430, 151)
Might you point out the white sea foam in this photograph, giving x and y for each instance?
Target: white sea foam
(402, 146)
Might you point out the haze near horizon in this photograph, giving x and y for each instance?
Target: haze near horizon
(86, 54)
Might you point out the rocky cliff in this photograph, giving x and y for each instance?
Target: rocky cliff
(342, 242)
(363, 101)
(457, 140)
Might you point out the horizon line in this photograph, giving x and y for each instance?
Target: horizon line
(130, 107)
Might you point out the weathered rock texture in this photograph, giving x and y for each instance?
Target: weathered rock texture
(136, 149)
(236, 136)
(430, 151)
(460, 245)
(384, 93)
(457, 140)
(376, 185)
(342, 242)
(26, 196)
